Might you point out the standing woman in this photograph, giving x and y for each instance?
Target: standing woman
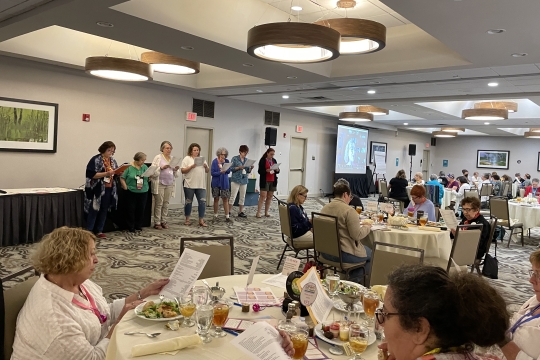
(137, 186)
(100, 188)
(268, 181)
(220, 182)
(239, 179)
(163, 185)
(194, 183)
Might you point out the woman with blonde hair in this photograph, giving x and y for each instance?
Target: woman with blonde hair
(163, 185)
(137, 189)
(194, 183)
(418, 179)
(302, 230)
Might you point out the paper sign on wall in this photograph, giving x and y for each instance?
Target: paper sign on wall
(372, 206)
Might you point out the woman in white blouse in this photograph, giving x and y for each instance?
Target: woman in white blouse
(194, 183)
(65, 315)
(522, 338)
(463, 185)
(163, 185)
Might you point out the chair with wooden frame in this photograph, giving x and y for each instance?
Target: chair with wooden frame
(383, 185)
(471, 193)
(498, 207)
(387, 257)
(291, 244)
(221, 261)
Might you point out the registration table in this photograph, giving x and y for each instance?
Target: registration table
(220, 348)
(528, 215)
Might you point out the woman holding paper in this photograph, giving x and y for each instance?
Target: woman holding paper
(100, 188)
(163, 184)
(65, 315)
(239, 178)
(137, 190)
(220, 181)
(268, 171)
(195, 182)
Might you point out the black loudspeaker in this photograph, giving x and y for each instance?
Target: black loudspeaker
(433, 141)
(270, 136)
(412, 149)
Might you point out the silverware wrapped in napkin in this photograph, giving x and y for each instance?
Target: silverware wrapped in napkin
(174, 344)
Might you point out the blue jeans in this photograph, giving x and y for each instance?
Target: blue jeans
(201, 199)
(101, 215)
(355, 275)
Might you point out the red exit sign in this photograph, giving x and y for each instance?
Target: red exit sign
(191, 116)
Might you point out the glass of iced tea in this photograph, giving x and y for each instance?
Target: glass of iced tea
(187, 308)
(423, 220)
(371, 303)
(410, 212)
(358, 210)
(380, 217)
(221, 313)
(299, 340)
(358, 340)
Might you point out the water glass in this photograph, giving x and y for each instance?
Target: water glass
(204, 316)
(201, 295)
(333, 284)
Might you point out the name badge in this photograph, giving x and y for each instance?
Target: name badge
(271, 171)
(140, 182)
(244, 172)
(107, 179)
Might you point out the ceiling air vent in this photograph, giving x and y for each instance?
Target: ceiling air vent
(271, 118)
(318, 98)
(203, 108)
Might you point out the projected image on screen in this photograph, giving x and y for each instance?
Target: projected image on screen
(351, 150)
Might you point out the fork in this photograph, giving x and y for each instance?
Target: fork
(151, 335)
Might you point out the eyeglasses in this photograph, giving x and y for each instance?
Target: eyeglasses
(467, 209)
(535, 274)
(223, 154)
(304, 195)
(382, 315)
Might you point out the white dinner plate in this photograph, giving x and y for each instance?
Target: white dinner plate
(138, 310)
(340, 305)
(320, 334)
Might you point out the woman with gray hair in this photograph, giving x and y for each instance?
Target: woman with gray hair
(163, 184)
(220, 181)
(137, 190)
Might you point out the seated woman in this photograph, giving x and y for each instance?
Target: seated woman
(418, 179)
(497, 185)
(434, 182)
(302, 229)
(533, 189)
(463, 185)
(419, 202)
(65, 310)
(444, 317)
(522, 337)
(398, 187)
(527, 181)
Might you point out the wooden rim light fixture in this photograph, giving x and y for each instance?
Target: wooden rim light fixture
(358, 36)
(355, 116)
(288, 42)
(169, 64)
(484, 114)
(373, 110)
(453, 129)
(511, 106)
(444, 134)
(534, 129)
(532, 135)
(118, 68)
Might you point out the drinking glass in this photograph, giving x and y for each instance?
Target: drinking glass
(410, 212)
(358, 340)
(187, 308)
(358, 210)
(423, 220)
(200, 295)
(371, 302)
(333, 284)
(204, 316)
(380, 217)
(299, 339)
(221, 313)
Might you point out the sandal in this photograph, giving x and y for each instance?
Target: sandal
(258, 216)
(164, 225)
(267, 215)
(158, 226)
(188, 222)
(202, 224)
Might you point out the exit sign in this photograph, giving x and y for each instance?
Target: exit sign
(191, 116)
(299, 128)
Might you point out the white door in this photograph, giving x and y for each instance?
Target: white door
(425, 165)
(203, 137)
(297, 162)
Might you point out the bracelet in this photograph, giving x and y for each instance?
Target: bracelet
(139, 295)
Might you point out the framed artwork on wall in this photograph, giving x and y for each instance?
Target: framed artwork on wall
(377, 146)
(493, 159)
(28, 125)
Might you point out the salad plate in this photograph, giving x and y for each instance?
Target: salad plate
(157, 311)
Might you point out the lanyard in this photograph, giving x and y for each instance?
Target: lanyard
(107, 164)
(102, 318)
(522, 320)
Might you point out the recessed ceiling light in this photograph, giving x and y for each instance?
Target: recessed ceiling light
(258, 90)
(247, 65)
(105, 24)
(405, 123)
(371, 92)
(296, 8)
(492, 84)
(496, 31)
(285, 96)
(486, 123)
(519, 54)
(187, 48)
(292, 77)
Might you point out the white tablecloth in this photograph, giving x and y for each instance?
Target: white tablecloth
(529, 216)
(36, 191)
(447, 197)
(220, 348)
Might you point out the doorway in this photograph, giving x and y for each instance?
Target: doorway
(425, 165)
(205, 138)
(297, 162)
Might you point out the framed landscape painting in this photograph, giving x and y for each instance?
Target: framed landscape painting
(376, 146)
(28, 125)
(493, 159)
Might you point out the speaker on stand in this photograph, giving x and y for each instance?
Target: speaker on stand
(412, 152)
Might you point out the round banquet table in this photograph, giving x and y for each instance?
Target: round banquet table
(529, 216)
(220, 348)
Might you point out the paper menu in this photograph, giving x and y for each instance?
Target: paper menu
(291, 264)
(275, 166)
(255, 295)
(185, 273)
(150, 171)
(175, 161)
(261, 341)
(249, 163)
(225, 166)
(199, 161)
(449, 218)
(322, 305)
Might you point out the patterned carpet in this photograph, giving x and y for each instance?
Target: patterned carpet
(128, 261)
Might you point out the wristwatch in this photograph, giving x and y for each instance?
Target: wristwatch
(139, 295)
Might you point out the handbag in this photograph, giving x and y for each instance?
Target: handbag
(491, 266)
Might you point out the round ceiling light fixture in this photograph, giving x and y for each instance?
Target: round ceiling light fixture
(293, 42)
(355, 116)
(358, 36)
(169, 64)
(534, 130)
(453, 129)
(374, 110)
(511, 106)
(484, 114)
(532, 135)
(346, 4)
(444, 134)
(118, 68)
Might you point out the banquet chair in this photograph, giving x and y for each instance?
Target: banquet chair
(498, 207)
(464, 248)
(11, 303)
(383, 185)
(286, 234)
(326, 241)
(493, 224)
(221, 261)
(386, 259)
(471, 193)
(507, 189)
(432, 193)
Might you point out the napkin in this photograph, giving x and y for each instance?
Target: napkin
(429, 228)
(174, 344)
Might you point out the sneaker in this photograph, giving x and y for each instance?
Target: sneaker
(101, 236)
(242, 215)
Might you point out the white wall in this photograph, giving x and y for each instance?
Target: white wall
(461, 154)
(137, 117)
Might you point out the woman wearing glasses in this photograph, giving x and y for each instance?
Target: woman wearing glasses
(302, 230)
(220, 182)
(431, 315)
(419, 202)
(239, 179)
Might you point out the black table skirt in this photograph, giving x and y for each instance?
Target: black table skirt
(117, 218)
(25, 218)
(361, 184)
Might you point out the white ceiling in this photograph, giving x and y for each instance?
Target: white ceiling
(439, 56)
